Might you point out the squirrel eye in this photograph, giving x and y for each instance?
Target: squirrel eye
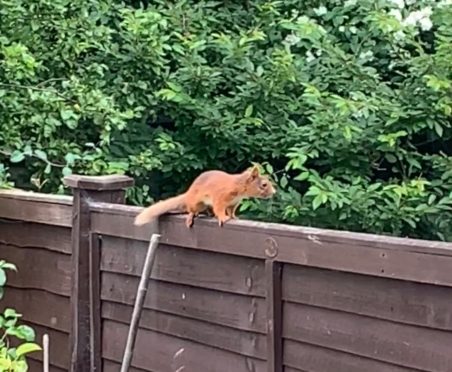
(264, 184)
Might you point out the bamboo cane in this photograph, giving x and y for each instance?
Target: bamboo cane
(138, 307)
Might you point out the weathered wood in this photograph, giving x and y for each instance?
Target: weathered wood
(273, 273)
(246, 313)
(86, 190)
(59, 346)
(110, 366)
(46, 309)
(416, 260)
(36, 211)
(318, 359)
(186, 266)
(165, 353)
(126, 215)
(38, 268)
(400, 301)
(95, 304)
(404, 345)
(117, 220)
(225, 338)
(35, 235)
(35, 365)
(35, 196)
(99, 183)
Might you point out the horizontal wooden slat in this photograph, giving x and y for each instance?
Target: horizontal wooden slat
(31, 235)
(241, 342)
(126, 214)
(237, 311)
(396, 300)
(408, 259)
(160, 352)
(110, 366)
(45, 212)
(38, 269)
(311, 358)
(58, 346)
(186, 266)
(46, 309)
(36, 366)
(19, 194)
(399, 344)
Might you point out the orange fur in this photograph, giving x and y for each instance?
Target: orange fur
(213, 190)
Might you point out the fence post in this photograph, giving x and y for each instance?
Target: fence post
(85, 302)
(273, 276)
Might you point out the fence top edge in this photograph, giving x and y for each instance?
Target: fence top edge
(35, 196)
(302, 232)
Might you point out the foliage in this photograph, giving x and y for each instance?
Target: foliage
(13, 359)
(347, 104)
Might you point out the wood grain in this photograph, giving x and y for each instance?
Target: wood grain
(48, 213)
(59, 346)
(404, 345)
(311, 358)
(407, 259)
(35, 235)
(225, 338)
(36, 365)
(164, 353)
(186, 266)
(39, 307)
(39, 269)
(236, 311)
(396, 300)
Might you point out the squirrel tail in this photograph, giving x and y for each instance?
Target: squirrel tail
(159, 208)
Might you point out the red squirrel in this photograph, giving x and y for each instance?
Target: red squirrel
(213, 190)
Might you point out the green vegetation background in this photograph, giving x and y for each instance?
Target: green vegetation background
(346, 103)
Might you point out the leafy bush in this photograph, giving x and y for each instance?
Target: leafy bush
(347, 104)
(13, 359)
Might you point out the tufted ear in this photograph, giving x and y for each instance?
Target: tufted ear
(253, 173)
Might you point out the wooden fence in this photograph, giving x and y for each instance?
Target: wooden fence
(249, 297)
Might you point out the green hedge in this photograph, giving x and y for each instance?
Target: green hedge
(347, 103)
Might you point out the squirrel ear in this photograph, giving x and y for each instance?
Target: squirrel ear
(254, 173)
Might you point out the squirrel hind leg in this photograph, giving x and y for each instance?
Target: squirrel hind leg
(190, 219)
(193, 212)
(220, 213)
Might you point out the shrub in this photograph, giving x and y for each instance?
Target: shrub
(348, 105)
(13, 358)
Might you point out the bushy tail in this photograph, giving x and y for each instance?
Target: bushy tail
(159, 208)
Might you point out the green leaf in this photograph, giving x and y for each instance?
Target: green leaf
(25, 332)
(27, 348)
(249, 111)
(67, 171)
(11, 313)
(5, 364)
(391, 158)
(16, 157)
(283, 182)
(317, 202)
(66, 114)
(302, 176)
(9, 266)
(41, 154)
(2, 277)
(438, 129)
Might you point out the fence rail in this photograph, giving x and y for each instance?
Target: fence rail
(248, 297)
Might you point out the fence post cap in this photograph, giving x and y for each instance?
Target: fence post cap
(98, 183)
